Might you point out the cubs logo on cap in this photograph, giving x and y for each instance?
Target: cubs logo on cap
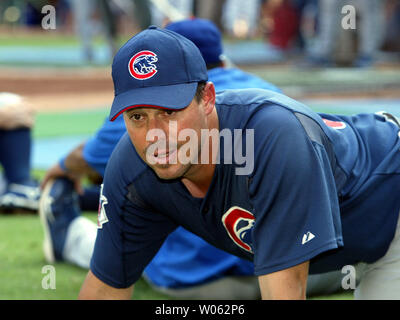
(142, 65)
(238, 223)
(156, 68)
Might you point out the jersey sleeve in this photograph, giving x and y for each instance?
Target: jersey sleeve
(129, 234)
(98, 148)
(293, 193)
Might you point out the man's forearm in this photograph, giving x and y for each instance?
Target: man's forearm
(288, 284)
(94, 289)
(77, 165)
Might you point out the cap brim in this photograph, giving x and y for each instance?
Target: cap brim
(174, 97)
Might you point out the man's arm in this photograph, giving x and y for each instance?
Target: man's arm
(76, 163)
(76, 167)
(95, 289)
(285, 284)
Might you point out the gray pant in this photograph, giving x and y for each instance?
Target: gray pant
(247, 288)
(381, 279)
(370, 27)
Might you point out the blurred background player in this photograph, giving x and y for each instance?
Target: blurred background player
(369, 22)
(84, 12)
(185, 266)
(18, 191)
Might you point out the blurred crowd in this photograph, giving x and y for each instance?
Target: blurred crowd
(312, 28)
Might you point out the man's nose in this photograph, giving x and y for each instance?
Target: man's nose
(156, 123)
(158, 127)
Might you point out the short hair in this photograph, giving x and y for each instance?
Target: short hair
(218, 64)
(199, 91)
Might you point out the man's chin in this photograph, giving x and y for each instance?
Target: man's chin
(170, 172)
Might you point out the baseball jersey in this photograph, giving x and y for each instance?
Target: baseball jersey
(323, 188)
(184, 258)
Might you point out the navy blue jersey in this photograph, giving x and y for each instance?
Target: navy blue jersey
(185, 259)
(323, 188)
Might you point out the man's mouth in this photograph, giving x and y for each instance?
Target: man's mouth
(165, 156)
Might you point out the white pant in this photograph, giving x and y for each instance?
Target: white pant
(247, 287)
(79, 242)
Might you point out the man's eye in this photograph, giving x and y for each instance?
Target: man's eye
(136, 116)
(169, 112)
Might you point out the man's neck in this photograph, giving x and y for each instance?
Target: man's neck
(198, 187)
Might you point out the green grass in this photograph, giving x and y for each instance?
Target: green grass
(22, 260)
(337, 296)
(50, 124)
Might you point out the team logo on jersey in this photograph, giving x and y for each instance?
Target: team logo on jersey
(142, 65)
(239, 223)
(334, 124)
(102, 216)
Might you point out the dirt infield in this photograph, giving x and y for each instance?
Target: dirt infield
(58, 89)
(64, 89)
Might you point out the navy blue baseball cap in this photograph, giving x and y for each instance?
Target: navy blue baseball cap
(156, 68)
(204, 34)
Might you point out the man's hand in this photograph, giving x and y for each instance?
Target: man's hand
(57, 172)
(95, 289)
(77, 168)
(288, 284)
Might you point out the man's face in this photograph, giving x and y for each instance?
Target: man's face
(159, 137)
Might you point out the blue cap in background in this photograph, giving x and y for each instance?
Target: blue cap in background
(204, 34)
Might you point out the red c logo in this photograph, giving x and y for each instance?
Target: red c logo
(142, 65)
(239, 223)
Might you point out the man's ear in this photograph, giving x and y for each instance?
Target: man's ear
(209, 97)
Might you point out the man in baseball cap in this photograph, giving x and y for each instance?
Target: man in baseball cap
(185, 266)
(292, 211)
